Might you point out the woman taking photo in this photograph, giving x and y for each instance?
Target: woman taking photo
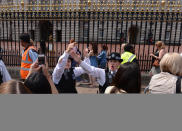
(156, 57)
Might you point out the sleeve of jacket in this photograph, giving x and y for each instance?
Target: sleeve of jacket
(33, 55)
(98, 73)
(100, 55)
(59, 69)
(79, 70)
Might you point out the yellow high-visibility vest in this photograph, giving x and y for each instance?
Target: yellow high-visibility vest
(127, 57)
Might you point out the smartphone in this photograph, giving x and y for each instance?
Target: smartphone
(41, 59)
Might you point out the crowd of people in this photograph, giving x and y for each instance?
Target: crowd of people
(114, 73)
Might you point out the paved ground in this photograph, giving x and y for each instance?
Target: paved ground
(83, 88)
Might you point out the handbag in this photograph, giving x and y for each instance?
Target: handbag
(156, 63)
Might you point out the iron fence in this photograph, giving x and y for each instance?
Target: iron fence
(142, 28)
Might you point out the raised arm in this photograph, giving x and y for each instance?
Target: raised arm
(161, 54)
(86, 68)
(59, 69)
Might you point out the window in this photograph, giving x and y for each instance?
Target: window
(101, 23)
(118, 33)
(101, 32)
(168, 23)
(181, 35)
(58, 35)
(85, 30)
(168, 33)
(32, 34)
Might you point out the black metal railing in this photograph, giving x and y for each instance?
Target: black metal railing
(140, 28)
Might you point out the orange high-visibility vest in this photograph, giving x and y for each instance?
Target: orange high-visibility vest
(26, 63)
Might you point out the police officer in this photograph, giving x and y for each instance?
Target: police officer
(104, 77)
(64, 75)
(129, 54)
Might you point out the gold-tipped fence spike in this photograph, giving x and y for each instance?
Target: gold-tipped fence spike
(163, 3)
(93, 5)
(22, 4)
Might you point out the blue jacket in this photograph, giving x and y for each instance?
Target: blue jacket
(102, 59)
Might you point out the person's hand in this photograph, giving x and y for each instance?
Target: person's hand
(90, 53)
(45, 71)
(152, 55)
(76, 57)
(45, 68)
(86, 54)
(70, 47)
(34, 68)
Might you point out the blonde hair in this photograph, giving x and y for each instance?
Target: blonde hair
(172, 63)
(160, 44)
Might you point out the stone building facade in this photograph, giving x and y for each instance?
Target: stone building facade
(102, 29)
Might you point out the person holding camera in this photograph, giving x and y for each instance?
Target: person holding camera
(29, 55)
(39, 80)
(64, 76)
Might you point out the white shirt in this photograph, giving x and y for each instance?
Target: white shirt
(4, 72)
(85, 67)
(59, 69)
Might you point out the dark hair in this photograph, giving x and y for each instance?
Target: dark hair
(14, 87)
(95, 48)
(70, 58)
(25, 37)
(104, 47)
(129, 48)
(38, 83)
(128, 78)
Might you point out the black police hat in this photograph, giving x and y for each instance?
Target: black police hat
(114, 56)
